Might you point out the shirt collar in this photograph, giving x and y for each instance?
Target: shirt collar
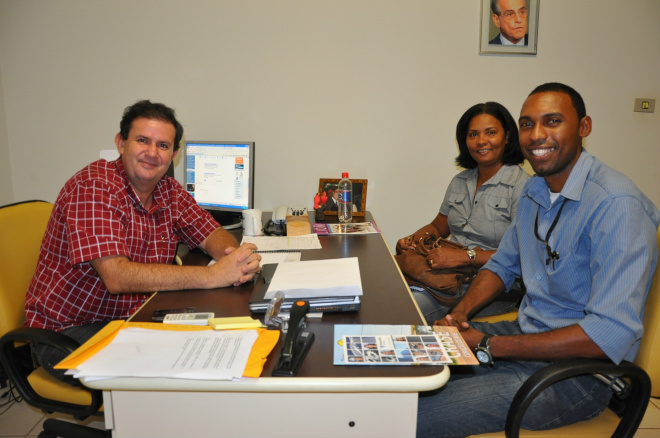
(538, 190)
(506, 42)
(507, 175)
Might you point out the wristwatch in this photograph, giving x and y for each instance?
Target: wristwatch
(483, 353)
(473, 256)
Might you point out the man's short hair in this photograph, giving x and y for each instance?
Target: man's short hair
(556, 87)
(512, 153)
(495, 7)
(153, 111)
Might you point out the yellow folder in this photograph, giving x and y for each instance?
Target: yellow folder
(265, 343)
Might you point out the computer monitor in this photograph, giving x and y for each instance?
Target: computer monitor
(220, 176)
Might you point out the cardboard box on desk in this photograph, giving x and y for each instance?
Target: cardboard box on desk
(298, 225)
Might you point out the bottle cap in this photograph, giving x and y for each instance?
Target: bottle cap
(344, 175)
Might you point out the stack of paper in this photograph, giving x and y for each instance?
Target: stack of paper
(317, 278)
(187, 352)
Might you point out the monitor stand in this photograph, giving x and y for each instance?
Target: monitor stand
(227, 219)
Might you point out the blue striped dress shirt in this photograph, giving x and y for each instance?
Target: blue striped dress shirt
(605, 238)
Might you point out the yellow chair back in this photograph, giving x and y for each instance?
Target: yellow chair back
(648, 357)
(22, 227)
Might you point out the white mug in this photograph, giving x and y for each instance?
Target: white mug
(252, 225)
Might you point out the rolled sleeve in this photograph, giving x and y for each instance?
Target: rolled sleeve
(94, 224)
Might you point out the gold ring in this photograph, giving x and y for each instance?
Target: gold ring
(431, 262)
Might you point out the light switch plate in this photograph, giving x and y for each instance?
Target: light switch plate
(644, 105)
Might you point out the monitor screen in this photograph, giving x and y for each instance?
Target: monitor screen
(220, 176)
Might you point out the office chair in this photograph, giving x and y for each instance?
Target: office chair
(22, 226)
(626, 411)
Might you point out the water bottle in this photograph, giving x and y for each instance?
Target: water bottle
(345, 191)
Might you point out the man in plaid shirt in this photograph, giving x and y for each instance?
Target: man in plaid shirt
(114, 231)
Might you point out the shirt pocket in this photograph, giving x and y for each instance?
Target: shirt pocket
(497, 212)
(459, 211)
(456, 199)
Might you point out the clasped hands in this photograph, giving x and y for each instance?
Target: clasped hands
(241, 264)
(459, 320)
(445, 257)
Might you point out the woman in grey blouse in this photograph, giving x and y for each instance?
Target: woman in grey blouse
(480, 202)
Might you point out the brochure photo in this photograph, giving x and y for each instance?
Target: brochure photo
(350, 228)
(357, 344)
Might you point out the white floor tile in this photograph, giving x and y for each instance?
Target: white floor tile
(651, 419)
(19, 420)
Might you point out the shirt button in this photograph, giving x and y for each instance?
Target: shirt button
(538, 277)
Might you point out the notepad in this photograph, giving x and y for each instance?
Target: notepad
(238, 322)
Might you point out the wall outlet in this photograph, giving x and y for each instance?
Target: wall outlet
(644, 105)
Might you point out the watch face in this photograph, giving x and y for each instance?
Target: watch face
(482, 356)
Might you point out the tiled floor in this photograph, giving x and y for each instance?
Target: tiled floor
(21, 421)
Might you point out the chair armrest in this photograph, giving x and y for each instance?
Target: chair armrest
(636, 401)
(14, 364)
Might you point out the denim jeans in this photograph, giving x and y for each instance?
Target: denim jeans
(477, 399)
(433, 310)
(48, 357)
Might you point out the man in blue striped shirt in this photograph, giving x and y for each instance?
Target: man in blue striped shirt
(584, 242)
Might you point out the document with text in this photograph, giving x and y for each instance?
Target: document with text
(283, 243)
(203, 354)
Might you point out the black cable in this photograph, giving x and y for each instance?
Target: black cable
(12, 398)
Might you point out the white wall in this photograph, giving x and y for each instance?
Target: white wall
(371, 87)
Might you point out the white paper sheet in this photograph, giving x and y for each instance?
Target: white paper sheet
(279, 257)
(277, 243)
(317, 278)
(205, 354)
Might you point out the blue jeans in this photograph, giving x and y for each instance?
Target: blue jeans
(433, 310)
(477, 399)
(48, 357)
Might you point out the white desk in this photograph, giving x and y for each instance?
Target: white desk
(323, 400)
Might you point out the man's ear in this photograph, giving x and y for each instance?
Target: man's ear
(585, 126)
(120, 143)
(496, 20)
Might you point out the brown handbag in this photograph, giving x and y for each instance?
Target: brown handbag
(445, 285)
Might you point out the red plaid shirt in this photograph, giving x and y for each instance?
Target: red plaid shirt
(98, 214)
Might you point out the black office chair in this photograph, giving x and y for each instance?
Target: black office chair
(22, 226)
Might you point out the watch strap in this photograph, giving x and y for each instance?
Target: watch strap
(485, 341)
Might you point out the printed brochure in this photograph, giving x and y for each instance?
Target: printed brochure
(357, 344)
(350, 228)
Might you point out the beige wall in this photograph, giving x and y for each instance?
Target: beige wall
(6, 185)
(371, 87)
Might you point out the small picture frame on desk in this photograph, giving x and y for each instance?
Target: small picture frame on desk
(329, 186)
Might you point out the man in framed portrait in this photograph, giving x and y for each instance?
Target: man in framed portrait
(510, 17)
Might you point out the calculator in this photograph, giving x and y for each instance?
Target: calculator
(201, 318)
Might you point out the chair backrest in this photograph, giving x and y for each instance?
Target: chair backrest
(22, 227)
(649, 352)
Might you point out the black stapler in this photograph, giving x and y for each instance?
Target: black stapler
(296, 343)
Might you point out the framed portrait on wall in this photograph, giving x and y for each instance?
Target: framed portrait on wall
(329, 186)
(509, 26)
